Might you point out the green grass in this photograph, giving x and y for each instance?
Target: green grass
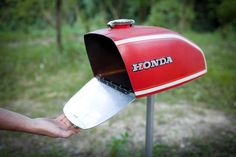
(32, 68)
(219, 144)
(216, 145)
(22, 145)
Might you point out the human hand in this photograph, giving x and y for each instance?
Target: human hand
(58, 127)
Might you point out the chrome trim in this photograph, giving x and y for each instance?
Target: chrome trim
(113, 23)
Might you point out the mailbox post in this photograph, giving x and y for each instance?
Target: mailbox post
(149, 126)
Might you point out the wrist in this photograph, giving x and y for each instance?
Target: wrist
(43, 126)
(33, 126)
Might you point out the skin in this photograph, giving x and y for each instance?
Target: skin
(52, 127)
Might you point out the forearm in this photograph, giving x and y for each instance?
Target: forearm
(16, 122)
(58, 127)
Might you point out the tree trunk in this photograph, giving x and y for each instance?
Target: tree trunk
(58, 25)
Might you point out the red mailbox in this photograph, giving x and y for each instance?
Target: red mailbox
(137, 61)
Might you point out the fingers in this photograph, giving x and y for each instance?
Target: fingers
(67, 129)
(64, 121)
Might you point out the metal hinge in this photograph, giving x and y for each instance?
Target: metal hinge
(114, 86)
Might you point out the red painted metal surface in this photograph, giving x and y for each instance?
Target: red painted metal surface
(155, 59)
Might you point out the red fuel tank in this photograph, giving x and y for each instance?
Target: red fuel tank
(143, 59)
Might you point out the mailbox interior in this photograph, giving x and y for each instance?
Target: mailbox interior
(106, 61)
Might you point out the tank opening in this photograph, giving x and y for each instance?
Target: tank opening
(106, 61)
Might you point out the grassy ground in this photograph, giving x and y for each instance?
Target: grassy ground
(37, 80)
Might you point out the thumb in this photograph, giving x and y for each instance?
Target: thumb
(67, 133)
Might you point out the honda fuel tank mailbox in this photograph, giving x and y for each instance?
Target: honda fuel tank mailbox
(138, 61)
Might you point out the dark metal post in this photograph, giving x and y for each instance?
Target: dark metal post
(149, 126)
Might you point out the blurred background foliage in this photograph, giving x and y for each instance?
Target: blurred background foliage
(199, 15)
(37, 78)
